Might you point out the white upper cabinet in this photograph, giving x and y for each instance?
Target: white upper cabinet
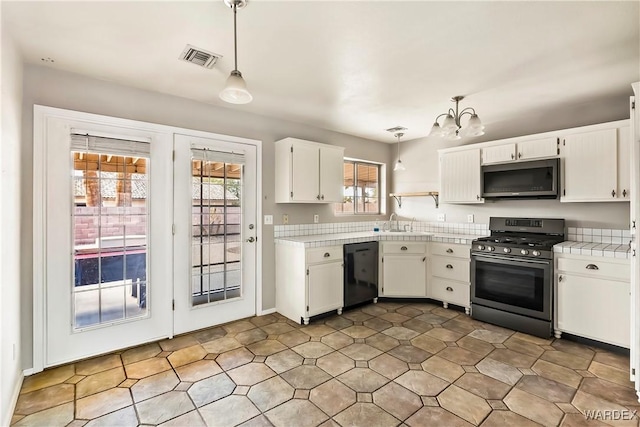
(596, 166)
(526, 150)
(460, 177)
(308, 172)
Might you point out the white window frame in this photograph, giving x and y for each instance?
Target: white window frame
(382, 194)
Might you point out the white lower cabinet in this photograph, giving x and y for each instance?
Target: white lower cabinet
(449, 280)
(403, 267)
(308, 281)
(592, 298)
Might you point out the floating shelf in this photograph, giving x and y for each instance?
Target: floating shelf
(399, 196)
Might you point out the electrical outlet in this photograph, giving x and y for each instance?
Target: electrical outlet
(316, 218)
(285, 219)
(268, 219)
(441, 217)
(470, 218)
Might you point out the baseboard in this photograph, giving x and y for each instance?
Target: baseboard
(268, 311)
(14, 400)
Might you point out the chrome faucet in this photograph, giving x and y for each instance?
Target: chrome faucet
(391, 218)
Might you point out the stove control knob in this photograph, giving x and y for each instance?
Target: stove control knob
(536, 253)
(506, 250)
(480, 247)
(490, 248)
(524, 252)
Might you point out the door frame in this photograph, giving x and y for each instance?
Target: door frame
(41, 116)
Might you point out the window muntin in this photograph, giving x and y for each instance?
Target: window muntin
(361, 189)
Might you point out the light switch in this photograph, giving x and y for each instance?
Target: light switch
(268, 219)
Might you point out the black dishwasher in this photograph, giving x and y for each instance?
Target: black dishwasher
(360, 273)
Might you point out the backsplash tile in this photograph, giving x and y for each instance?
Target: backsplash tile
(598, 235)
(293, 230)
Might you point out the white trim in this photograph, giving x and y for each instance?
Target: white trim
(259, 228)
(14, 400)
(267, 311)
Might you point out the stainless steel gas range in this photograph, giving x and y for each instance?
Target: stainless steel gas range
(512, 274)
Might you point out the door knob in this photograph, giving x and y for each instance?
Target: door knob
(251, 239)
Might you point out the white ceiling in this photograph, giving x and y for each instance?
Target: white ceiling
(355, 67)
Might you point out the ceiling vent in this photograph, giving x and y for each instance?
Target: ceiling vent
(199, 56)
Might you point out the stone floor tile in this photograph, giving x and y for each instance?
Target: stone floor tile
(270, 393)
(397, 400)
(409, 311)
(146, 368)
(374, 309)
(365, 414)
(164, 354)
(522, 346)
(507, 418)
(221, 345)
(283, 361)
(301, 394)
(444, 334)
(337, 340)
(44, 398)
(533, 407)
(47, 378)
(483, 386)
(435, 416)
(364, 397)
(513, 358)
(335, 363)
(73, 380)
(547, 389)
(382, 342)
(238, 326)
(499, 371)
(305, 376)
(497, 405)
(296, 412)
(614, 360)
(527, 371)
(491, 336)
(610, 373)
(241, 390)
(464, 404)
(557, 373)
(567, 360)
(128, 383)
(567, 408)
(533, 339)
(137, 354)
(102, 403)
(460, 356)
(278, 328)
(332, 397)
(459, 325)
(187, 355)
(609, 391)
(164, 407)
(76, 423)
(472, 368)
(251, 336)
(209, 334)
(422, 383)
(475, 345)
(579, 420)
(263, 320)
(266, 347)
(228, 412)
(293, 338)
(377, 324)
(124, 417)
(417, 325)
(176, 343)
(100, 382)
(183, 386)
(338, 322)
(409, 353)
(317, 330)
(154, 385)
(360, 351)
(388, 366)
(428, 343)
(362, 364)
(312, 350)
(443, 368)
(357, 315)
(251, 373)
(394, 317)
(447, 312)
(363, 380)
(198, 370)
(259, 421)
(234, 358)
(190, 419)
(359, 331)
(98, 364)
(432, 319)
(400, 333)
(429, 401)
(60, 415)
(588, 402)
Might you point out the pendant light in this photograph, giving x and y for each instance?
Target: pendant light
(235, 89)
(399, 166)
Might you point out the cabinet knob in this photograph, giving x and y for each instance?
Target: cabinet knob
(404, 248)
(327, 254)
(513, 156)
(477, 197)
(559, 278)
(613, 193)
(449, 266)
(318, 197)
(592, 267)
(322, 197)
(519, 155)
(449, 288)
(624, 193)
(449, 251)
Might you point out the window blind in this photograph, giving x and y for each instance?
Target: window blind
(217, 156)
(117, 147)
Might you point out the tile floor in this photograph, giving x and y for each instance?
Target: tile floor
(385, 364)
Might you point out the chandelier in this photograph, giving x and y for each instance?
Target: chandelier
(452, 128)
(235, 90)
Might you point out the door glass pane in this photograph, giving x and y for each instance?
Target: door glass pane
(110, 216)
(216, 230)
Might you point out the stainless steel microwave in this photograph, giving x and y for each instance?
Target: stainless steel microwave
(537, 179)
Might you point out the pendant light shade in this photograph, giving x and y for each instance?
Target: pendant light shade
(452, 128)
(235, 89)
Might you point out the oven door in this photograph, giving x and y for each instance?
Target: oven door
(515, 285)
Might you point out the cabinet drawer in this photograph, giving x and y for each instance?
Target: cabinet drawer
(450, 268)
(595, 267)
(450, 250)
(404, 248)
(329, 253)
(449, 291)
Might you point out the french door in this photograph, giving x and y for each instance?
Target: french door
(215, 232)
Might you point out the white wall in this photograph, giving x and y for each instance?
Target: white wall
(49, 87)
(10, 223)
(421, 160)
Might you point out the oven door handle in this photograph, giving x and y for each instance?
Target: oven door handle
(504, 258)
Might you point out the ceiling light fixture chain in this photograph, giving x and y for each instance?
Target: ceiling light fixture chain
(235, 89)
(452, 125)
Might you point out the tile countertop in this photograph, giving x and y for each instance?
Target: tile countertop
(606, 250)
(321, 240)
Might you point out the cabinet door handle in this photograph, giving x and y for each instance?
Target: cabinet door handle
(449, 266)
(424, 259)
(404, 248)
(449, 251)
(519, 155)
(327, 254)
(592, 267)
(613, 193)
(559, 278)
(624, 193)
(477, 197)
(449, 288)
(513, 156)
(318, 197)
(322, 197)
